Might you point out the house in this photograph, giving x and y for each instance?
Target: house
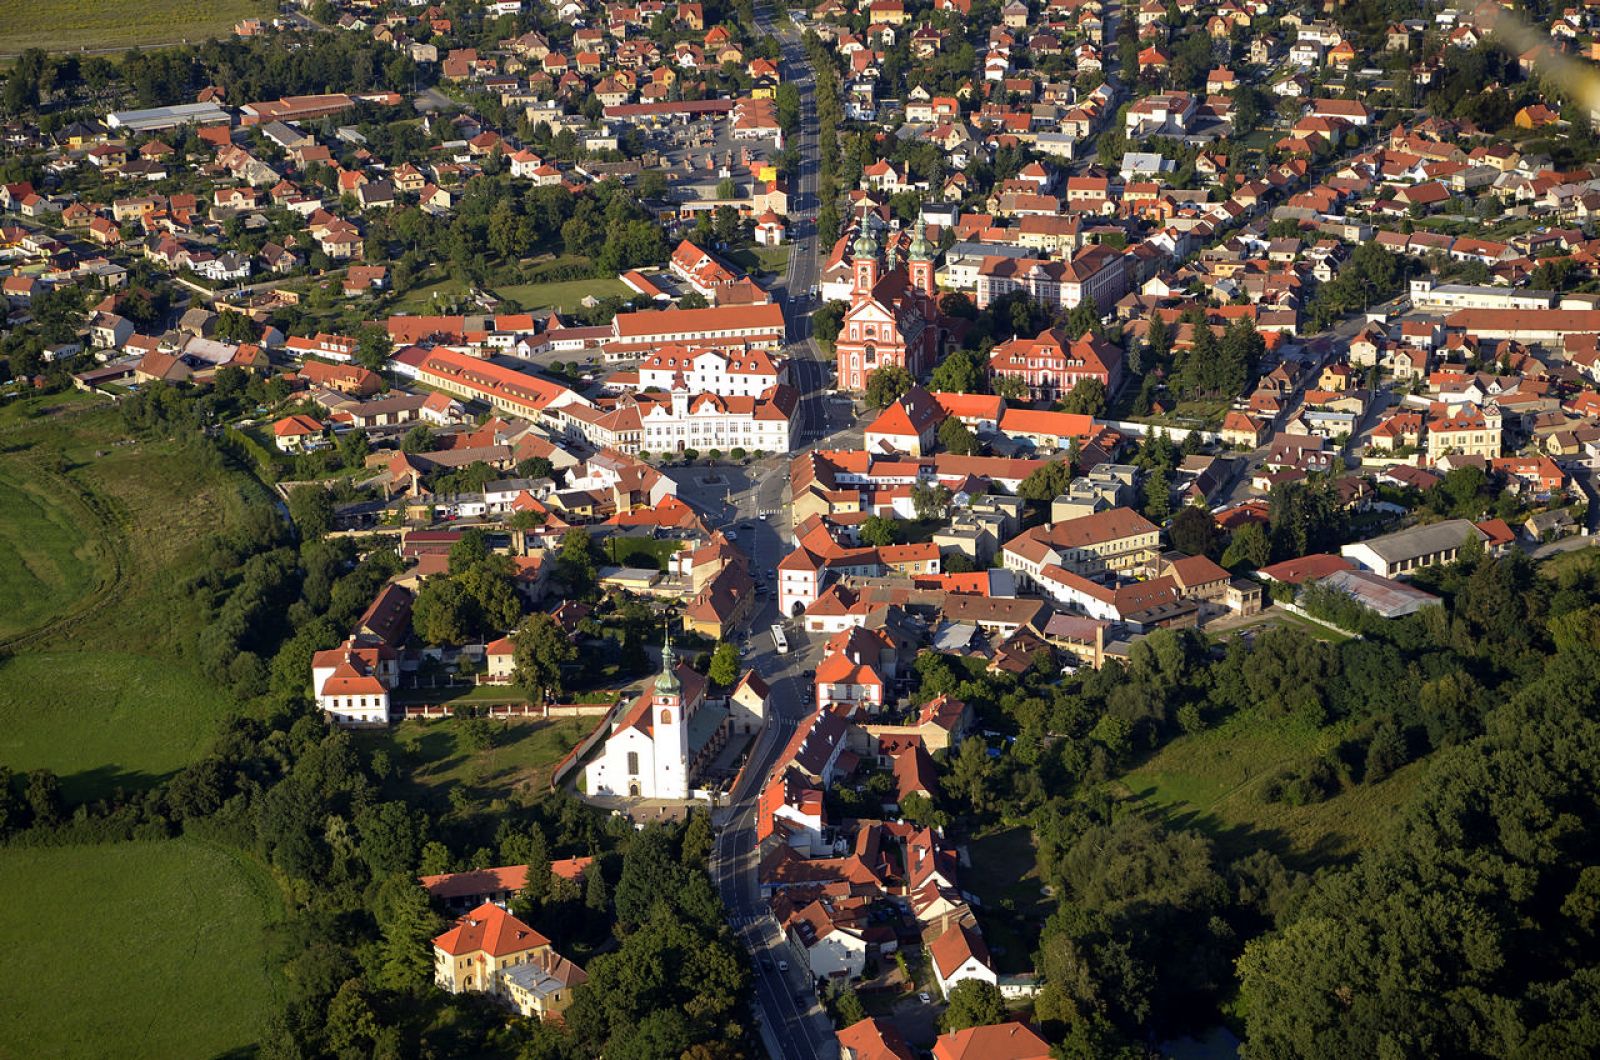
(352, 682)
(1001, 1041)
(960, 953)
(873, 1038)
(489, 951)
(1391, 555)
(909, 425)
(297, 434)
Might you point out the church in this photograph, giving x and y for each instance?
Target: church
(893, 317)
(667, 737)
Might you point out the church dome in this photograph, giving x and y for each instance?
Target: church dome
(865, 245)
(921, 249)
(668, 681)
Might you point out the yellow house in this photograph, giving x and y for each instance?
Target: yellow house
(490, 951)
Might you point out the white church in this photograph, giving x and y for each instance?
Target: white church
(657, 748)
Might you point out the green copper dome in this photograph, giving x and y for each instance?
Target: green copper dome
(668, 681)
(921, 249)
(865, 245)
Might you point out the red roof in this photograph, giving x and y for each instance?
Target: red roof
(489, 929)
(1306, 568)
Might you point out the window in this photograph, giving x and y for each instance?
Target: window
(633, 763)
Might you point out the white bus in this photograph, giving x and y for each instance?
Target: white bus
(779, 641)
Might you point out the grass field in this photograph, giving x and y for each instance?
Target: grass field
(1212, 781)
(117, 24)
(1005, 877)
(147, 949)
(49, 560)
(102, 719)
(562, 294)
(640, 551)
(761, 259)
(431, 758)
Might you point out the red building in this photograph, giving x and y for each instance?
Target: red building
(893, 318)
(1052, 364)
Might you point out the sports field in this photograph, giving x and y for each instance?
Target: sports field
(143, 949)
(109, 25)
(101, 720)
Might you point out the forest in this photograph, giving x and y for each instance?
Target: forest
(1466, 928)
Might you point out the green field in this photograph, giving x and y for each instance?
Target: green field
(1005, 877)
(761, 259)
(49, 560)
(102, 720)
(104, 25)
(431, 758)
(562, 294)
(640, 551)
(144, 949)
(1212, 781)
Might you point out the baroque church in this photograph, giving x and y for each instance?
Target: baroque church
(893, 317)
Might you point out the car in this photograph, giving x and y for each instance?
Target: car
(783, 966)
(731, 535)
(925, 998)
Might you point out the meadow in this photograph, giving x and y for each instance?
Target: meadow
(114, 25)
(433, 758)
(157, 946)
(49, 559)
(1212, 781)
(102, 720)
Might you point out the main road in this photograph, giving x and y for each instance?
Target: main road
(792, 1023)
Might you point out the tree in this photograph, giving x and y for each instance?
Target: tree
(826, 320)
(442, 613)
(1046, 482)
(957, 438)
(311, 509)
(879, 532)
(930, 501)
(575, 562)
(959, 373)
(1087, 398)
(1249, 549)
(409, 925)
(1011, 387)
(1194, 532)
(886, 385)
(724, 669)
(373, 346)
(390, 837)
(418, 439)
(973, 1003)
(541, 649)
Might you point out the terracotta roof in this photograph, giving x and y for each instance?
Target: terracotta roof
(489, 929)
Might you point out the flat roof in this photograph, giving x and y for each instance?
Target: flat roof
(168, 117)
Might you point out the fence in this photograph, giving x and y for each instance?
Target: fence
(509, 710)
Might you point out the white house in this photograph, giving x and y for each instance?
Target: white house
(352, 681)
(743, 372)
(960, 954)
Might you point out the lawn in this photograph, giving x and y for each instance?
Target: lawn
(420, 300)
(1014, 905)
(155, 946)
(49, 559)
(1212, 781)
(640, 551)
(562, 294)
(105, 25)
(761, 259)
(102, 720)
(432, 758)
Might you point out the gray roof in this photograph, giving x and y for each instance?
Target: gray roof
(1421, 541)
(1389, 598)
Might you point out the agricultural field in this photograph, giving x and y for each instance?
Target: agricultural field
(103, 720)
(151, 929)
(1212, 781)
(115, 25)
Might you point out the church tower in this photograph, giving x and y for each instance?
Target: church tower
(670, 729)
(866, 262)
(921, 261)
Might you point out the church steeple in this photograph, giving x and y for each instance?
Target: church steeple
(866, 261)
(667, 683)
(920, 258)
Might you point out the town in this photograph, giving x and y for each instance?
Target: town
(875, 530)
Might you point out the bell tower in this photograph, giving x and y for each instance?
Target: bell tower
(866, 262)
(920, 259)
(670, 728)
